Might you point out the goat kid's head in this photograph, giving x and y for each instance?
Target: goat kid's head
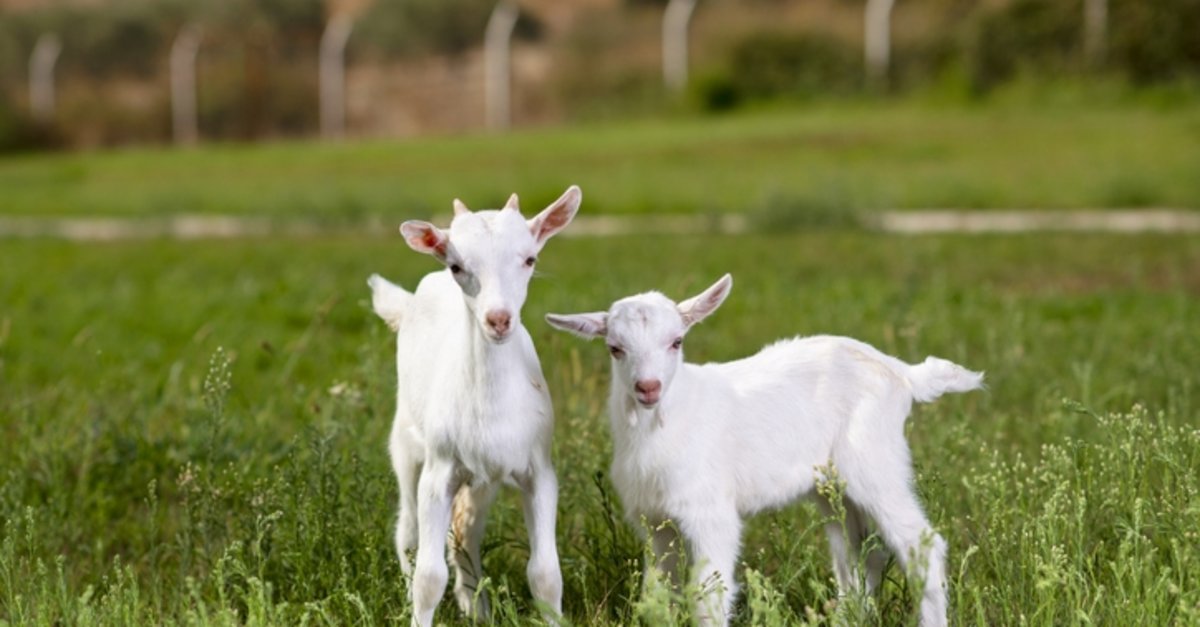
(491, 255)
(645, 336)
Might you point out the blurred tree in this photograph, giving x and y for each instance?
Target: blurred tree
(402, 27)
(407, 26)
(121, 40)
(1148, 41)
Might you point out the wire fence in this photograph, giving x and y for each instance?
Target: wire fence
(297, 72)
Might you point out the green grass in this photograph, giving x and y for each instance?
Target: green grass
(195, 431)
(847, 157)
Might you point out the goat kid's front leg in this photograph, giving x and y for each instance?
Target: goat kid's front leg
(541, 511)
(666, 551)
(435, 491)
(714, 543)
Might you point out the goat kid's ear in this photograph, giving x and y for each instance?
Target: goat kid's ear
(424, 237)
(513, 204)
(557, 216)
(700, 306)
(585, 325)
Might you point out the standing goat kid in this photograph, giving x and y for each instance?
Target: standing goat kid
(472, 409)
(702, 446)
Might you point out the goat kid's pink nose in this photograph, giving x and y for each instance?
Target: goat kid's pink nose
(499, 321)
(650, 386)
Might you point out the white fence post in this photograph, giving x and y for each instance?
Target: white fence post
(1095, 31)
(41, 76)
(332, 77)
(497, 61)
(676, 18)
(877, 26)
(184, 124)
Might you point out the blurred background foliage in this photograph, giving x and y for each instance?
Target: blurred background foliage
(258, 62)
(393, 29)
(113, 68)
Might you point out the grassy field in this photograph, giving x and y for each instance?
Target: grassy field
(195, 432)
(832, 158)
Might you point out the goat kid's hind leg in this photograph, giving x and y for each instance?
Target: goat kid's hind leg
(540, 500)
(918, 548)
(408, 473)
(434, 492)
(467, 521)
(847, 538)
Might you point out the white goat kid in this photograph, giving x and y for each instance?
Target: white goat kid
(703, 446)
(472, 408)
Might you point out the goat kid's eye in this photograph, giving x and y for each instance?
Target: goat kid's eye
(677, 343)
(616, 352)
(530, 261)
(455, 268)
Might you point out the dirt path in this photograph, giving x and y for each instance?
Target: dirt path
(1018, 221)
(910, 222)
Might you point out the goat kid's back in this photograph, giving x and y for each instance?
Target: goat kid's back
(769, 419)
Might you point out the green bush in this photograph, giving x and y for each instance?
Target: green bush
(831, 205)
(716, 91)
(19, 132)
(794, 64)
(1155, 41)
(769, 65)
(924, 62)
(1025, 36)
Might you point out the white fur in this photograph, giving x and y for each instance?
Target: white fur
(726, 440)
(472, 407)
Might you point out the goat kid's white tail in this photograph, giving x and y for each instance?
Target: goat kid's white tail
(935, 377)
(388, 300)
